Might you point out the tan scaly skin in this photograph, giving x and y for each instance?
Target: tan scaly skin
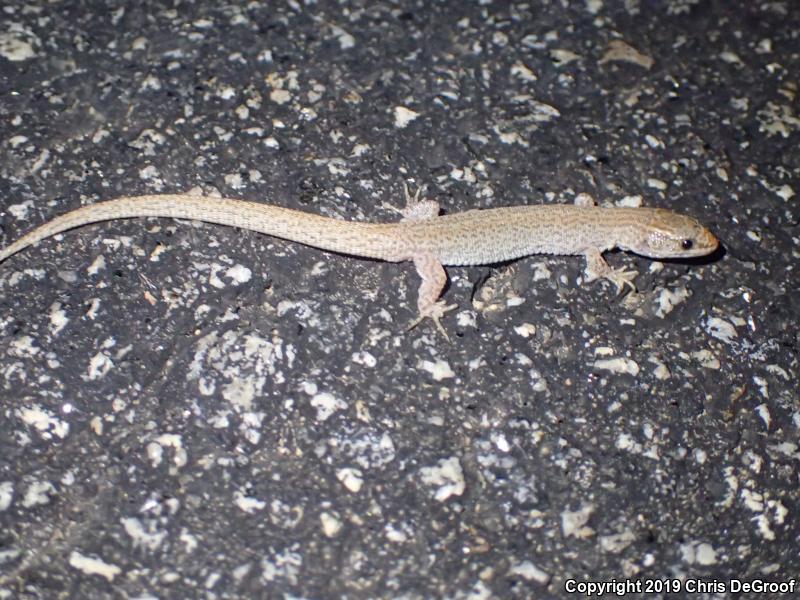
(474, 237)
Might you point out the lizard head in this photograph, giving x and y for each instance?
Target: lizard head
(670, 235)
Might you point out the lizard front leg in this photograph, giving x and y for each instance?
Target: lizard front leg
(597, 267)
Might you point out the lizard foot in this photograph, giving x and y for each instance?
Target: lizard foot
(434, 312)
(416, 209)
(621, 278)
(598, 268)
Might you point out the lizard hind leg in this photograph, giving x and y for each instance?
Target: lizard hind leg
(416, 209)
(434, 279)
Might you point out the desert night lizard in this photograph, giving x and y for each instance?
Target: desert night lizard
(474, 237)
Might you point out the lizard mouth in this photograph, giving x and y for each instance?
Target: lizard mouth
(705, 243)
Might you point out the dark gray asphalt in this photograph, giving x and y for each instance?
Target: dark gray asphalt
(191, 411)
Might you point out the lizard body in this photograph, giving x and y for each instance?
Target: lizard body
(473, 237)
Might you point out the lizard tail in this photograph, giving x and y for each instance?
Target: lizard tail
(371, 240)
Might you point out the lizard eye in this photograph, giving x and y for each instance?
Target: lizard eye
(687, 244)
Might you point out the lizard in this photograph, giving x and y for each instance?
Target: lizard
(428, 239)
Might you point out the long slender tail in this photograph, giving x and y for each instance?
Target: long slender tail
(359, 239)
